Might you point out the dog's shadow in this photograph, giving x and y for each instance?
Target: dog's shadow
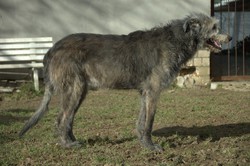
(204, 132)
(10, 116)
(105, 140)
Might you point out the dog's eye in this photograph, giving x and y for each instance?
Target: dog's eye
(214, 27)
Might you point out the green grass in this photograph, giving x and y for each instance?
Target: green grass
(195, 127)
(26, 90)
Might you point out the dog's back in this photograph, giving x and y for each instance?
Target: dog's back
(107, 61)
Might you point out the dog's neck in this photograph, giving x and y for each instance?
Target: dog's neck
(187, 47)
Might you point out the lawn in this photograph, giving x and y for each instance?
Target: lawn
(195, 126)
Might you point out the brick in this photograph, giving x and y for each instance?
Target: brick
(203, 80)
(197, 62)
(205, 61)
(203, 71)
(203, 54)
(190, 62)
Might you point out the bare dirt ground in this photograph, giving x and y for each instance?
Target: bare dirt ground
(242, 86)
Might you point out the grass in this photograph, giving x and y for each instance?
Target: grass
(195, 127)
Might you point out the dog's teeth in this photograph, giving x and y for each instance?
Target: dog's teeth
(217, 44)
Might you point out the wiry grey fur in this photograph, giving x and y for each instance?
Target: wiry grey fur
(144, 60)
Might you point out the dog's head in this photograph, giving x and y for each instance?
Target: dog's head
(214, 43)
(205, 29)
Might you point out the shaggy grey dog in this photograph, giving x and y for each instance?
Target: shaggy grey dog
(144, 60)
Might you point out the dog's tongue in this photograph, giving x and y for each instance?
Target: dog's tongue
(217, 44)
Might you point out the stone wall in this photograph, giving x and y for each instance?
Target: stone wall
(196, 71)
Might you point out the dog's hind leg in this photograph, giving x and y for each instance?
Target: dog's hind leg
(146, 119)
(71, 97)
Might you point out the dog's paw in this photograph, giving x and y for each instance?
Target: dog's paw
(156, 148)
(153, 147)
(75, 144)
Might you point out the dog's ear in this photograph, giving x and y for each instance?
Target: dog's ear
(192, 24)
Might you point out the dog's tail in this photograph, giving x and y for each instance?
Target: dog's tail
(40, 111)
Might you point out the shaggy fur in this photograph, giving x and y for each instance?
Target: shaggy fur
(144, 60)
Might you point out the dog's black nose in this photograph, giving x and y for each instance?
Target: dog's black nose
(230, 38)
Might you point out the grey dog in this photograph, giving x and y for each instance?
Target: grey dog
(144, 60)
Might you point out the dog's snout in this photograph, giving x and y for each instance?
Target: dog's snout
(229, 38)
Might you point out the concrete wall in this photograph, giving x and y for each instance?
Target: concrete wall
(58, 18)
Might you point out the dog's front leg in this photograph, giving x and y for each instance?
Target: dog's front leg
(146, 119)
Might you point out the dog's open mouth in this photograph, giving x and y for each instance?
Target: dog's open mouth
(214, 43)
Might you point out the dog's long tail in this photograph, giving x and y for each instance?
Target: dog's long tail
(40, 111)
